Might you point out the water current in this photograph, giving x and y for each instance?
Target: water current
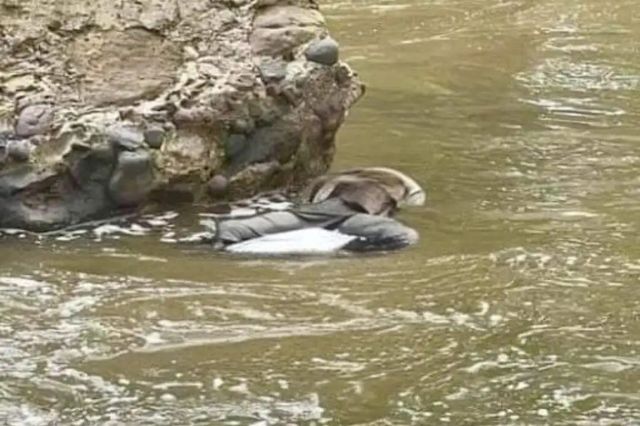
(519, 305)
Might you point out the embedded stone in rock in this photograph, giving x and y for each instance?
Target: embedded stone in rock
(325, 51)
(234, 144)
(19, 151)
(278, 141)
(191, 148)
(33, 120)
(218, 186)
(93, 166)
(125, 137)
(154, 137)
(242, 125)
(133, 178)
(272, 70)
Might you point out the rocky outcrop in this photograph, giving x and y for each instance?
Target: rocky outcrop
(107, 104)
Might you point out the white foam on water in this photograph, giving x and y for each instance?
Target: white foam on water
(104, 230)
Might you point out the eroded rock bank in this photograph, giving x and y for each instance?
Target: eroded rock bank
(108, 104)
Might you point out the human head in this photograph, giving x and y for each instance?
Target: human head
(367, 186)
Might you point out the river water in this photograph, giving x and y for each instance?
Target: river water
(519, 305)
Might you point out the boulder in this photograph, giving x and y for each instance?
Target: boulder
(325, 51)
(109, 105)
(132, 178)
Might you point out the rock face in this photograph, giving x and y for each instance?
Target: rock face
(109, 104)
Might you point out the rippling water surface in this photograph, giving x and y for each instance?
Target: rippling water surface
(519, 306)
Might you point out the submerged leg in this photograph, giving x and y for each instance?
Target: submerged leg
(377, 233)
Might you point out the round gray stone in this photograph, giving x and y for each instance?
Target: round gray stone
(126, 137)
(218, 186)
(325, 51)
(154, 137)
(34, 120)
(19, 151)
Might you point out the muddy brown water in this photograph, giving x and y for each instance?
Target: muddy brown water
(519, 305)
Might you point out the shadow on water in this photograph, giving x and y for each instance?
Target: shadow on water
(517, 307)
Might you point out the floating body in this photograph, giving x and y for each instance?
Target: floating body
(349, 210)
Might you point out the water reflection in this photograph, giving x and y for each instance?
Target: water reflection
(518, 307)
